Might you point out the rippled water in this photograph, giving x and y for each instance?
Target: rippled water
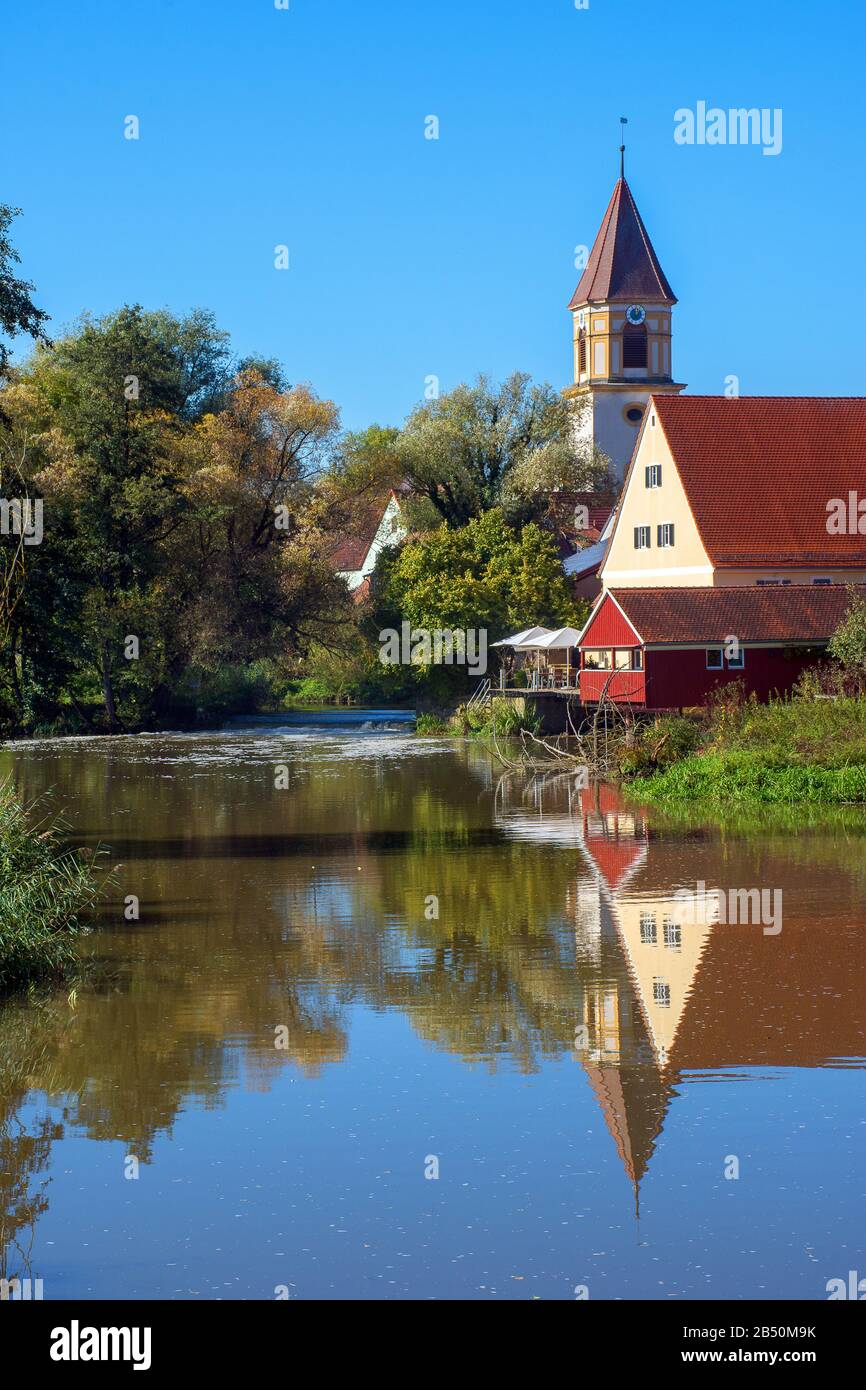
(361, 956)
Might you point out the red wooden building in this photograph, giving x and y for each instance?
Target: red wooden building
(669, 648)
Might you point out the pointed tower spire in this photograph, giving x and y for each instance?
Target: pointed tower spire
(622, 263)
(621, 324)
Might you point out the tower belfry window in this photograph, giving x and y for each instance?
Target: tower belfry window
(634, 345)
(581, 351)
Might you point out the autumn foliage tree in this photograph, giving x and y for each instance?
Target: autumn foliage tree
(180, 536)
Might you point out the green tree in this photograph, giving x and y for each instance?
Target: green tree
(18, 313)
(483, 446)
(104, 403)
(848, 643)
(487, 574)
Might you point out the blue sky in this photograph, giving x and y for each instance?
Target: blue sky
(412, 257)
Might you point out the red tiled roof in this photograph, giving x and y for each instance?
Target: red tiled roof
(622, 263)
(759, 472)
(348, 550)
(793, 613)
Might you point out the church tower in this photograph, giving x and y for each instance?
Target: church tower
(621, 312)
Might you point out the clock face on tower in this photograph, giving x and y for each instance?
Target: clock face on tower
(635, 313)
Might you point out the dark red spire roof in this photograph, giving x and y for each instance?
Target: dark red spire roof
(622, 263)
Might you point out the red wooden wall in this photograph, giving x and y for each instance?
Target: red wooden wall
(680, 678)
(609, 628)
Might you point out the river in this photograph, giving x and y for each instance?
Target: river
(391, 1023)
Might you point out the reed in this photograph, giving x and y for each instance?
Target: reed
(47, 891)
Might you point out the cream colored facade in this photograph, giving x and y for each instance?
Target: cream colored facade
(663, 953)
(686, 564)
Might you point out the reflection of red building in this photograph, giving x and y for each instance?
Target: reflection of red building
(710, 997)
(670, 648)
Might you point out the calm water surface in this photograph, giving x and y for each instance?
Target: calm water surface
(289, 1036)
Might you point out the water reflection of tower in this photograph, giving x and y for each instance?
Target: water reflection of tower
(614, 1040)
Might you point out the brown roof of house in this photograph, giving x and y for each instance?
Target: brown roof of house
(793, 613)
(347, 551)
(622, 263)
(759, 472)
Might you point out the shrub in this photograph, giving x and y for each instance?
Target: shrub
(658, 745)
(500, 719)
(46, 890)
(431, 724)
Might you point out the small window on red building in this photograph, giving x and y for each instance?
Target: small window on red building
(598, 661)
(715, 661)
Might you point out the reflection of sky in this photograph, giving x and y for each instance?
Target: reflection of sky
(330, 900)
(319, 1184)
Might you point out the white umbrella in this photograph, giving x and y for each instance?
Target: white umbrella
(518, 638)
(562, 637)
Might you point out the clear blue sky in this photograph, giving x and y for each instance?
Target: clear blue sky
(412, 257)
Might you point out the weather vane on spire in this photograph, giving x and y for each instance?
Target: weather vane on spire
(623, 120)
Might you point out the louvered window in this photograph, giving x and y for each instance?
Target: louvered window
(634, 346)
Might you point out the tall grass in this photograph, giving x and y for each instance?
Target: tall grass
(728, 779)
(46, 893)
(787, 752)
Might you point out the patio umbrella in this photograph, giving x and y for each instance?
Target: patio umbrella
(566, 637)
(518, 638)
(562, 637)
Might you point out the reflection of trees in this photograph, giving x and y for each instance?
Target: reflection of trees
(265, 908)
(25, 1147)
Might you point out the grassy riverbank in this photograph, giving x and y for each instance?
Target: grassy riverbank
(788, 752)
(499, 718)
(46, 892)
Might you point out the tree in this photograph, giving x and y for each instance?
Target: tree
(18, 313)
(104, 405)
(848, 643)
(181, 542)
(250, 550)
(363, 466)
(484, 446)
(100, 414)
(486, 575)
